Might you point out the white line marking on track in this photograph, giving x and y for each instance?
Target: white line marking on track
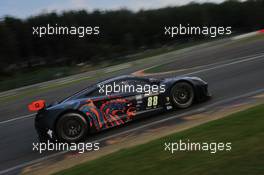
(18, 118)
(199, 110)
(7, 94)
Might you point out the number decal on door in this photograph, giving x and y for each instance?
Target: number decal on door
(152, 101)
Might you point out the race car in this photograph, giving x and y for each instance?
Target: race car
(114, 102)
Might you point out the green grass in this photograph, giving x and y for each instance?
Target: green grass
(162, 50)
(245, 130)
(158, 68)
(255, 38)
(35, 75)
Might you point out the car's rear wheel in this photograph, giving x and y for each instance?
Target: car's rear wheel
(182, 95)
(71, 127)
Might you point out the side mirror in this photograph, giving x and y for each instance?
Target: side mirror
(37, 105)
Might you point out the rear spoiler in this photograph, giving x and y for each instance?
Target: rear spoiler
(37, 105)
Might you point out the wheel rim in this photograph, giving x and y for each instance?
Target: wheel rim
(182, 94)
(72, 129)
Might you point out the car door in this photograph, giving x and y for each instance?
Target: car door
(149, 99)
(117, 106)
(121, 103)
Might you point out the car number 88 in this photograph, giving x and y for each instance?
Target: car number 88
(152, 101)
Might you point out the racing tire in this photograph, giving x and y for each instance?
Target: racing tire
(71, 127)
(182, 95)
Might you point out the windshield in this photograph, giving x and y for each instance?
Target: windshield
(86, 90)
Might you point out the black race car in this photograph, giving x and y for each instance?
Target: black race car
(114, 102)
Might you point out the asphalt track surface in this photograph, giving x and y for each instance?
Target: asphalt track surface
(231, 69)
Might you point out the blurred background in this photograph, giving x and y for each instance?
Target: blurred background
(127, 31)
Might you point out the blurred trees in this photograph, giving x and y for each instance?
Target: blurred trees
(121, 32)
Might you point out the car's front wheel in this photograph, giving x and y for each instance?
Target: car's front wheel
(182, 95)
(71, 127)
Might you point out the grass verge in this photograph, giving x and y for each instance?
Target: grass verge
(33, 76)
(157, 69)
(244, 130)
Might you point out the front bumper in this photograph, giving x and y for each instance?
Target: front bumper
(202, 93)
